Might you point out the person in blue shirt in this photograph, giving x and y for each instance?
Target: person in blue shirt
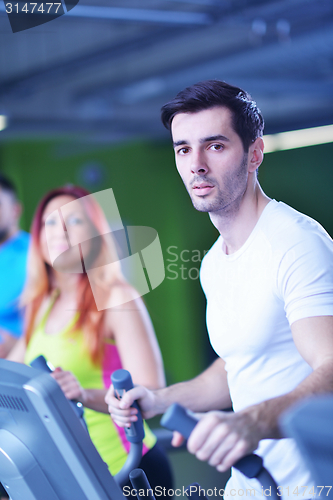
(13, 261)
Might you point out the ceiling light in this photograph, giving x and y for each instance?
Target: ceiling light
(298, 138)
(3, 122)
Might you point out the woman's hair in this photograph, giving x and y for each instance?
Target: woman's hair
(39, 273)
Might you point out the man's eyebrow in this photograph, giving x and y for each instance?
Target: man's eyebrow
(211, 138)
(214, 138)
(179, 143)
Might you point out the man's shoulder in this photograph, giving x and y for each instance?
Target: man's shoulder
(23, 237)
(286, 226)
(22, 240)
(17, 244)
(214, 250)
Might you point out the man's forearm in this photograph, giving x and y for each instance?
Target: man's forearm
(267, 413)
(207, 391)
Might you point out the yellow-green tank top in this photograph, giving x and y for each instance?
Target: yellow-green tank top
(67, 350)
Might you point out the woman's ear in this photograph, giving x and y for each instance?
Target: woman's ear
(256, 154)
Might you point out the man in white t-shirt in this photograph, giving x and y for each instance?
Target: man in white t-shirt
(268, 281)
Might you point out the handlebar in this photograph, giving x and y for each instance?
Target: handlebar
(40, 363)
(122, 382)
(178, 418)
(140, 483)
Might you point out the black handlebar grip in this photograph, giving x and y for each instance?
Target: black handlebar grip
(140, 483)
(194, 491)
(40, 363)
(122, 382)
(178, 418)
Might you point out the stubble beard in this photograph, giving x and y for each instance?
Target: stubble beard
(4, 235)
(228, 200)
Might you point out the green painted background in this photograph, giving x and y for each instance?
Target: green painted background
(149, 192)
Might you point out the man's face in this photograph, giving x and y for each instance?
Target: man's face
(210, 159)
(9, 213)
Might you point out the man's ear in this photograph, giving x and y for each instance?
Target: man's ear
(256, 154)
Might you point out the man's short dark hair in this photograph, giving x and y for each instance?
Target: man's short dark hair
(7, 185)
(248, 121)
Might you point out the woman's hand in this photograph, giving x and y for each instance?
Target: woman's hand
(69, 384)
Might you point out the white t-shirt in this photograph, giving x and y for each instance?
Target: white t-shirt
(282, 273)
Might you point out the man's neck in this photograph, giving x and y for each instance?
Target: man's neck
(236, 226)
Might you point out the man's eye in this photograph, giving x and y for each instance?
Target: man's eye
(216, 147)
(183, 151)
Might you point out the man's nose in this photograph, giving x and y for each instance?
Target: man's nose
(198, 164)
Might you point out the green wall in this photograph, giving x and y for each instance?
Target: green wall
(149, 193)
(302, 178)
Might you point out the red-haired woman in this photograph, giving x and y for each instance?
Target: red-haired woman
(73, 266)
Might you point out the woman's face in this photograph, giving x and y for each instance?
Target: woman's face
(65, 224)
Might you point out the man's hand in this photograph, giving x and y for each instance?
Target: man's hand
(120, 409)
(222, 438)
(177, 439)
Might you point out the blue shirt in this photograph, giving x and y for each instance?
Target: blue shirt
(13, 262)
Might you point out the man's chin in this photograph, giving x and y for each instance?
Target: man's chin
(201, 207)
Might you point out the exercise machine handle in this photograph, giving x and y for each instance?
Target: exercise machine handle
(122, 382)
(40, 363)
(178, 418)
(141, 485)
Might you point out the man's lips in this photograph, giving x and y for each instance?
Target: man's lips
(202, 189)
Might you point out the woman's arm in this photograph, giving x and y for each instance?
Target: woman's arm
(17, 353)
(7, 342)
(71, 387)
(130, 326)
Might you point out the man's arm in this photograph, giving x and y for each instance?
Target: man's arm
(313, 338)
(222, 439)
(207, 391)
